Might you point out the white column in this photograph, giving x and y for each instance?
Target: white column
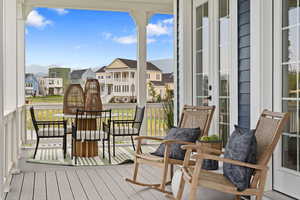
(141, 20)
(1, 99)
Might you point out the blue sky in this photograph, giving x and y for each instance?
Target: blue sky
(82, 38)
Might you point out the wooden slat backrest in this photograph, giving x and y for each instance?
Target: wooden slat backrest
(268, 132)
(197, 116)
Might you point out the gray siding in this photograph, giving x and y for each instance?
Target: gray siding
(244, 63)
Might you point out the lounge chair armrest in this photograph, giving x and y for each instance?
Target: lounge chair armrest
(148, 138)
(198, 147)
(167, 142)
(226, 160)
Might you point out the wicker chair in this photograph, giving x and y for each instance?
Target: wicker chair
(268, 132)
(73, 99)
(192, 117)
(92, 95)
(90, 126)
(49, 129)
(122, 128)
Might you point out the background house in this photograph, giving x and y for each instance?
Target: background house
(118, 81)
(60, 72)
(80, 76)
(51, 86)
(31, 85)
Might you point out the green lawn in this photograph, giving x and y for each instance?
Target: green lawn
(45, 99)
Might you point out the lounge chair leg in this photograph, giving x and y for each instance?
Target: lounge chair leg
(135, 172)
(36, 147)
(164, 178)
(180, 189)
(132, 143)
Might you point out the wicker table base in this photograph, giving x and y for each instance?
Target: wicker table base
(86, 149)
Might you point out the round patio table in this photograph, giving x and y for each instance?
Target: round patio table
(84, 148)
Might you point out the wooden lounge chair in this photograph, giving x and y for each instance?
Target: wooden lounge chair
(268, 132)
(192, 117)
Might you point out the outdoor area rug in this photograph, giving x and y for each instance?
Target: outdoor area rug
(54, 156)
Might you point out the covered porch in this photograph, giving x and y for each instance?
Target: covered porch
(208, 69)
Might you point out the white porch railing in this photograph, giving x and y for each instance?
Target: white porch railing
(154, 117)
(13, 128)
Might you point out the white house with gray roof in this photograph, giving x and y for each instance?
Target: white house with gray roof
(80, 76)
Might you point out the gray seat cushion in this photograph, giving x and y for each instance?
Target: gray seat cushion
(242, 146)
(181, 134)
(89, 135)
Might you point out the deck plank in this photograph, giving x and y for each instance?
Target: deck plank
(87, 185)
(76, 187)
(64, 186)
(40, 186)
(16, 187)
(52, 187)
(117, 192)
(142, 176)
(28, 186)
(119, 180)
(101, 186)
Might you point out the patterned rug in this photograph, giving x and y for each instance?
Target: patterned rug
(54, 156)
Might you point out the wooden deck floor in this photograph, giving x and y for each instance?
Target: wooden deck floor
(40, 182)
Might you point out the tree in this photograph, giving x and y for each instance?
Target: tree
(152, 91)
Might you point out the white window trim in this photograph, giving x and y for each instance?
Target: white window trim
(261, 63)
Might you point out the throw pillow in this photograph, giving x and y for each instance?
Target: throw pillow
(242, 146)
(181, 134)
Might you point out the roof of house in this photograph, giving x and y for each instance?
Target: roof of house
(102, 69)
(168, 78)
(157, 83)
(133, 64)
(77, 74)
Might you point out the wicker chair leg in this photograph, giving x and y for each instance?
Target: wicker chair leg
(103, 148)
(108, 147)
(132, 142)
(36, 147)
(65, 146)
(114, 146)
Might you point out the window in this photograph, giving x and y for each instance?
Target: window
(132, 74)
(148, 75)
(158, 77)
(224, 63)
(290, 65)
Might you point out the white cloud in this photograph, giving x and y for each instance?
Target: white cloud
(106, 35)
(37, 20)
(60, 11)
(130, 39)
(163, 27)
(168, 21)
(77, 47)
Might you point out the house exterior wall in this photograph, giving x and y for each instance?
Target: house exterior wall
(244, 63)
(64, 73)
(52, 86)
(31, 85)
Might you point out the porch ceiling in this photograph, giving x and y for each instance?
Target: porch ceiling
(151, 6)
